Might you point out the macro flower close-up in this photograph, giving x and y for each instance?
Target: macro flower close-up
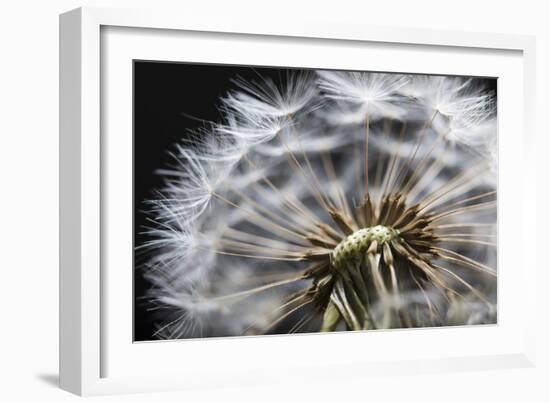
(321, 201)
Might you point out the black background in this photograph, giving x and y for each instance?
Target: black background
(170, 99)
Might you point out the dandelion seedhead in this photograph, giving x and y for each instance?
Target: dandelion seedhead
(331, 201)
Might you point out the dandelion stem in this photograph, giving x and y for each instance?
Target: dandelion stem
(331, 317)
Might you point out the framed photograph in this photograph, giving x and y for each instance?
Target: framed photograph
(246, 201)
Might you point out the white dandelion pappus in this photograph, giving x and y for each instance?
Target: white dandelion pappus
(277, 222)
(195, 178)
(213, 147)
(266, 100)
(247, 128)
(360, 93)
(460, 110)
(297, 140)
(183, 254)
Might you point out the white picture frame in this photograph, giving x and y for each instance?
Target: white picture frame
(92, 346)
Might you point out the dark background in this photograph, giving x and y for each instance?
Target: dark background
(169, 99)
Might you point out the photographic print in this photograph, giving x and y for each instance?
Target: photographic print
(275, 200)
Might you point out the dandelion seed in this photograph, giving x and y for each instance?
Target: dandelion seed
(373, 93)
(463, 111)
(264, 99)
